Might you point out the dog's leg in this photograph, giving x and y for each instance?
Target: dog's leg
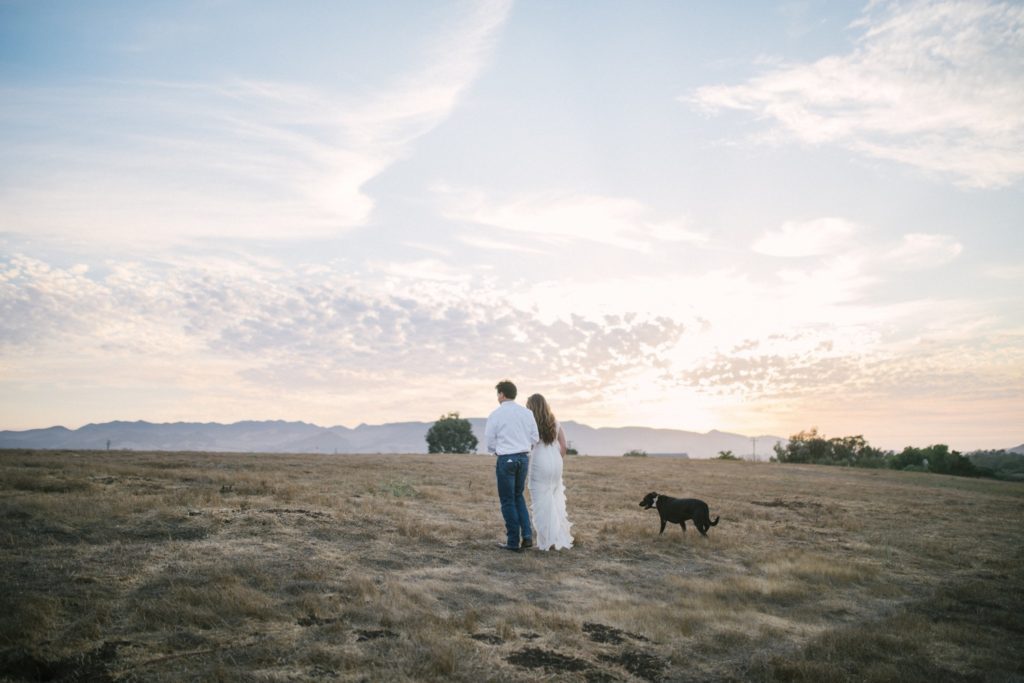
(683, 524)
(662, 526)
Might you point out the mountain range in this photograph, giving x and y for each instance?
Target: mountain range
(277, 436)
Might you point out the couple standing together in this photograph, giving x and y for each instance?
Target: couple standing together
(529, 445)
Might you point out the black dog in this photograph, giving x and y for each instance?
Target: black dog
(678, 510)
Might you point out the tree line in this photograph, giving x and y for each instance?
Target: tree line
(454, 434)
(854, 451)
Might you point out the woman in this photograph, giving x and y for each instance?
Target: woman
(547, 493)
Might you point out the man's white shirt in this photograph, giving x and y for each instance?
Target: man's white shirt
(511, 428)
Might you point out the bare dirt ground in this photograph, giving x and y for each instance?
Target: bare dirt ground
(195, 566)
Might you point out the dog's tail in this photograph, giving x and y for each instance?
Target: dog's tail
(715, 523)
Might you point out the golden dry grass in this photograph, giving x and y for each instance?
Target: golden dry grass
(190, 566)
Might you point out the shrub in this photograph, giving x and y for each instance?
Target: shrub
(451, 434)
(938, 459)
(854, 451)
(812, 447)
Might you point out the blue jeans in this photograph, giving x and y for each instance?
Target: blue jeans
(511, 473)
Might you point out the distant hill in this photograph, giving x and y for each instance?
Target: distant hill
(278, 436)
(618, 440)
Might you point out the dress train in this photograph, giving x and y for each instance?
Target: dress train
(547, 498)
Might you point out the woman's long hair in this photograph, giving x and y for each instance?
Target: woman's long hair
(546, 424)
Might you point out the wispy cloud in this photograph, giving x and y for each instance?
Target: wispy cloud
(920, 250)
(809, 238)
(246, 159)
(564, 218)
(933, 84)
(497, 245)
(428, 94)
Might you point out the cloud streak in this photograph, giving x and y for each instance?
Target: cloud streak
(920, 250)
(937, 85)
(252, 159)
(561, 218)
(812, 238)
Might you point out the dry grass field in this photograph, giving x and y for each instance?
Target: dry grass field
(210, 567)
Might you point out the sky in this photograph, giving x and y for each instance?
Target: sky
(756, 217)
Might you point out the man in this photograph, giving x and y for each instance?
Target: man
(511, 434)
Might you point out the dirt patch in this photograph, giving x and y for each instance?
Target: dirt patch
(641, 664)
(186, 640)
(313, 620)
(488, 638)
(598, 676)
(162, 529)
(599, 633)
(89, 666)
(305, 513)
(363, 635)
(536, 658)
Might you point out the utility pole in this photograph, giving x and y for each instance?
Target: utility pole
(753, 455)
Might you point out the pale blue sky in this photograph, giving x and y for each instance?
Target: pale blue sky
(753, 217)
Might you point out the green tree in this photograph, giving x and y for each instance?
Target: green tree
(727, 455)
(850, 451)
(451, 434)
(1000, 464)
(854, 451)
(804, 447)
(635, 453)
(937, 458)
(910, 458)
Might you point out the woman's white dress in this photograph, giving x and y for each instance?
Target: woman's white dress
(547, 498)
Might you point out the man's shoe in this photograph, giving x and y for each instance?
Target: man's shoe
(508, 547)
(527, 543)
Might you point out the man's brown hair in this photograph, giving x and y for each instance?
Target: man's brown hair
(507, 389)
